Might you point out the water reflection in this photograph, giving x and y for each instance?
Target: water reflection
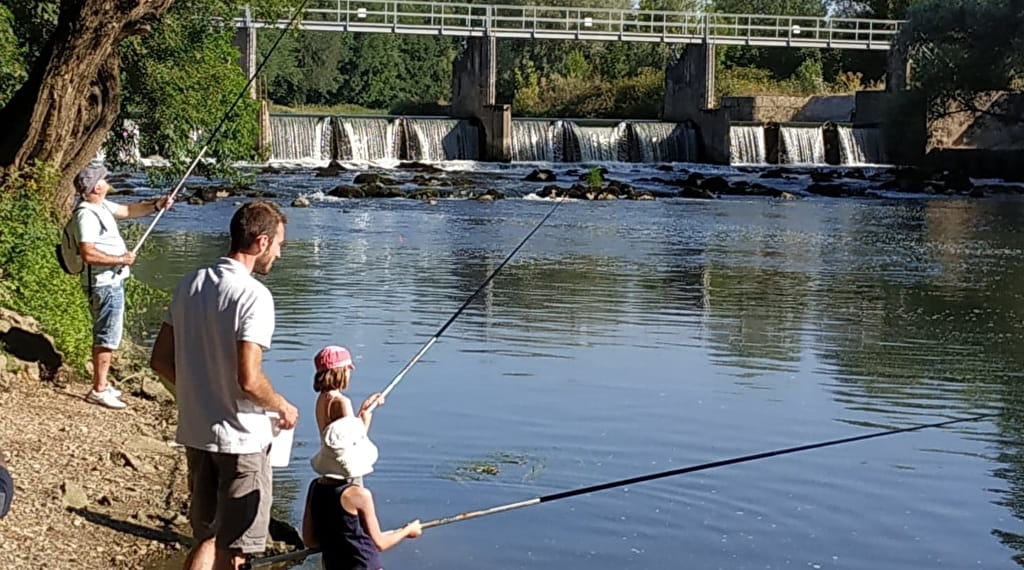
(631, 338)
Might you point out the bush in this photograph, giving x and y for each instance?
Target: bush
(32, 283)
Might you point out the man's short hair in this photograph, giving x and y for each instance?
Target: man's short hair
(253, 220)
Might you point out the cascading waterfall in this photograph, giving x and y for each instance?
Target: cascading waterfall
(746, 145)
(300, 138)
(604, 144)
(443, 139)
(534, 141)
(860, 146)
(802, 145)
(364, 139)
(665, 142)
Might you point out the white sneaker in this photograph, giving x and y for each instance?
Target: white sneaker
(113, 390)
(105, 398)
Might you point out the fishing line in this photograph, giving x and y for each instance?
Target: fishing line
(223, 121)
(300, 554)
(401, 373)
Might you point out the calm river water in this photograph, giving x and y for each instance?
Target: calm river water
(634, 337)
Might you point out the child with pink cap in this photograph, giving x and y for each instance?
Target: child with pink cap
(333, 374)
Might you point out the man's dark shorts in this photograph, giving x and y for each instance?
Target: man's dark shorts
(231, 497)
(6, 492)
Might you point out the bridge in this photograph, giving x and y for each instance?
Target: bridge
(599, 24)
(689, 75)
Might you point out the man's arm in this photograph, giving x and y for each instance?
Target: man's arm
(257, 387)
(93, 256)
(161, 360)
(141, 208)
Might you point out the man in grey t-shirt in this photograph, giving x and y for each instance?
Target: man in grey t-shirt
(106, 259)
(210, 347)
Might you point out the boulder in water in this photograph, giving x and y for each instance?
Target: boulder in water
(374, 178)
(300, 202)
(715, 184)
(346, 191)
(541, 175)
(698, 193)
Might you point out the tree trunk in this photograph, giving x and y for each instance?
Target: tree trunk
(70, 100)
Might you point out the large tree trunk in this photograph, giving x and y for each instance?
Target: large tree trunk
(65, 109)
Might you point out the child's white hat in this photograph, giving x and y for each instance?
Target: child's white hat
(345, 450)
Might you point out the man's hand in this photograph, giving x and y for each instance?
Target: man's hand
(164, 203)
(127, 259)
(288, 415)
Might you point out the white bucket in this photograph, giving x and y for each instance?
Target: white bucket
(281, 445)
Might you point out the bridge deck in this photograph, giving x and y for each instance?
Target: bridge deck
(563, 23)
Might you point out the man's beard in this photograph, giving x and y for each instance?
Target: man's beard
(263, 264)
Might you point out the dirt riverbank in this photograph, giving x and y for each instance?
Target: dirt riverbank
(94, 488)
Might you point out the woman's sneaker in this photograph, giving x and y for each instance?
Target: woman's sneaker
(105, 398)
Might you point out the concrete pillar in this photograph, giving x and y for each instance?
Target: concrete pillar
(897, 69)
(690, 97)
(474, 77)
(497, 124)
(689, 82)
(245, 41)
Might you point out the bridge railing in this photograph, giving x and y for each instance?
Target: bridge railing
(449, 18)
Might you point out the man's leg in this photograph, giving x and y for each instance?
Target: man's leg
(107, 307)
(101, 357)
(243, 514)
(201, 557)
(202, 488)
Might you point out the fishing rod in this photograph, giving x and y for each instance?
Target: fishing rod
(401, 373)
(300, 554)
(223, 121)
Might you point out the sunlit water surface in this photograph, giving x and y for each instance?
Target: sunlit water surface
(635, 337)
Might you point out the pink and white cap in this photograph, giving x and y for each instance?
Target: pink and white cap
(333, 357)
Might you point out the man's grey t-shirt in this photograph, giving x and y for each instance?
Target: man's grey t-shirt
(213, 309)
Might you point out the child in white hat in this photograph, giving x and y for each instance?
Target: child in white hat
(333, 373)
(340, 517)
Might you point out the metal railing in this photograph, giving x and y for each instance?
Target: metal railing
(552, 22)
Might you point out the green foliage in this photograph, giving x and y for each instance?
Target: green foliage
(962, 46)
(34, 21)
(808, 76)
(181, 80)
(12, 59)
(576, 65)
(594, 178)
(32, 283)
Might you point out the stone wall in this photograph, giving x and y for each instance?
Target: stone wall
(777, 109)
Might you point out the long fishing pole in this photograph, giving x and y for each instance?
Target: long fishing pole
(223, 121)
(401, 373)
(300, 554)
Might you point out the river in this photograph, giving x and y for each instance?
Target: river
(634, 337)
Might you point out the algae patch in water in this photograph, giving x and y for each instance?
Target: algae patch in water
(493, 465)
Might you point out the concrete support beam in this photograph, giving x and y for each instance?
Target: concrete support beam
(689, 82)
(474, 77)
(690, 98)
(245, 41)
(897, 69)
